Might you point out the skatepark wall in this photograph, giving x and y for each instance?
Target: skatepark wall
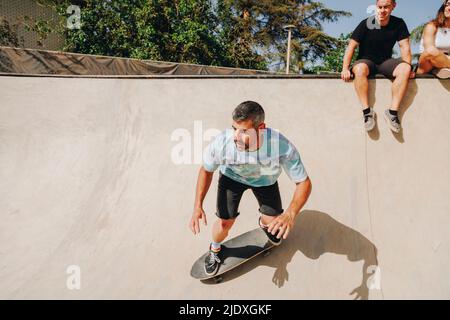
(97, 182)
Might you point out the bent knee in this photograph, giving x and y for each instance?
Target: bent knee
(431, 52)
(403, 69)
(226, 224)
(361, 70)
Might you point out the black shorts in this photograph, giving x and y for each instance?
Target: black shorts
(230, 192)
(386, 68)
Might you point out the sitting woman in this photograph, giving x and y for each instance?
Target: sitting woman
(435, 45)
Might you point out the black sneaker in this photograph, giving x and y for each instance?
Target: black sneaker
(212, 262)
(370, 120)
(272, 238)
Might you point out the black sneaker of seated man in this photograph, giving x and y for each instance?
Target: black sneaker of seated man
(391, 117)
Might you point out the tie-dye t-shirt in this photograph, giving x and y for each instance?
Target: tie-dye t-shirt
(255, 168)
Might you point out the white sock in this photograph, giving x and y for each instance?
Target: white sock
(215, 246)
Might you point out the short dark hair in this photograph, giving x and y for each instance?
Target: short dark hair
(393, 1)
(249, 110)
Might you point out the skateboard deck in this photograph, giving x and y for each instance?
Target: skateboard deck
(234, 252)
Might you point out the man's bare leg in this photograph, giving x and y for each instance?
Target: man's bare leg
(219, 232)
(221, 229)
(400, 85)
(361, 82)
(401, 74)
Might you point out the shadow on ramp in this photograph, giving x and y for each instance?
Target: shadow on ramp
(407, 102)
(445, 84)
(315, 233)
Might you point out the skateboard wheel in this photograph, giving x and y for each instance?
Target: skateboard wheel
(267, 253)
(218, 279)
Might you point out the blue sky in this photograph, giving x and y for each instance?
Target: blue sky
(414, 12)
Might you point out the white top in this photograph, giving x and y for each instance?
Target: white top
(442, 40)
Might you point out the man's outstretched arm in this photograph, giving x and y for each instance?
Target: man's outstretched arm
(349, 52)
(203, 183)
(284, 223)
(405, 49)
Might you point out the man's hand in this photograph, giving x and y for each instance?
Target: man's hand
(194, 225)
(203, 183)
(346, 75)
(282, 225)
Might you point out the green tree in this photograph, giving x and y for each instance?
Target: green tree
(235, 33)
(237, 36)
(416, 33)
(170, 30)
(8, 34)
(257, 27)
(334, 58)
(416, 36)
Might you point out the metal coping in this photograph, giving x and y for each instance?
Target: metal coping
(256, 76)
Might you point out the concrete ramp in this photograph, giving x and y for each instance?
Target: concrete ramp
(97, 189)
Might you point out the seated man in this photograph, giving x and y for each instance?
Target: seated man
(435, 45)
(376, 43)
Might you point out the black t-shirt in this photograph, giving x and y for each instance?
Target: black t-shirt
(377, 44)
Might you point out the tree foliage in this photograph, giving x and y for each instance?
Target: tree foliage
(334, 58)
(235, 33)
(259, 24)
(180, 30)
(416, 33)
(8, 34)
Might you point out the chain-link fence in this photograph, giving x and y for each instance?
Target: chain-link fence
(17, 17)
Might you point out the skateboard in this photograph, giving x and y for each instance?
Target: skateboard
(235, 252)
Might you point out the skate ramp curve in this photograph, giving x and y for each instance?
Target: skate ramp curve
(91, 180)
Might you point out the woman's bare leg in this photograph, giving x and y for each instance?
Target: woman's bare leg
(425, 65)
(434, 57)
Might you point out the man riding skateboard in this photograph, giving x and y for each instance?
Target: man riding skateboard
(249, 156)
(376, 39)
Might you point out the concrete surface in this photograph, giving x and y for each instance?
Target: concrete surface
(87, 179)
